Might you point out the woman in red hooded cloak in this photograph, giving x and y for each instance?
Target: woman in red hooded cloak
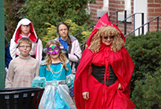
(103, 76)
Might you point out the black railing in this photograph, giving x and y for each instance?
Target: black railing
(125, 22)
(125, 15)
(82, 46)
(148, 23)
(92, 26)
(117, 20)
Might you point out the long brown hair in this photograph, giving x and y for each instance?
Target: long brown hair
(68, 39)
(62, 58)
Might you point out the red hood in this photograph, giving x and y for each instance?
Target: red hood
(17, 33)
(103, 21)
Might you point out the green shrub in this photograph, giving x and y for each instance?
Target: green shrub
(73, 30)
(145, 51)
(55, 11)
(147, 93)
(11, 15)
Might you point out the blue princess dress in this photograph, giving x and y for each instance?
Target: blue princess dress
(57, 83)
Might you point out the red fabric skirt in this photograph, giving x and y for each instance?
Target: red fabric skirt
(106, 97)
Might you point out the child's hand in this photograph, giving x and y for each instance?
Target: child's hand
(119, 87)
(85, 95)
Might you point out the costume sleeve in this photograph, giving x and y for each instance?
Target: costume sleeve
(124, 69)
(10, 76)
(84, 78)
(39, 51)
(128, 65)
(69, 77)
(13, 47)
(77, 52)
(38, 82)
(82, 68)
(42, 71)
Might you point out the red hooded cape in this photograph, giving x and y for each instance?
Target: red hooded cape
(32, 36)
(122, 65)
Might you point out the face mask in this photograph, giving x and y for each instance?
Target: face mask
(53, 50)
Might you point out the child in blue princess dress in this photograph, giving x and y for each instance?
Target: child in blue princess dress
(56, 76)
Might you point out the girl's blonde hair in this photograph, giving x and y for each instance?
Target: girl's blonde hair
(117, 43)
(62, 57)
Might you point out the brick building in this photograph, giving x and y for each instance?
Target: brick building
(150, 8)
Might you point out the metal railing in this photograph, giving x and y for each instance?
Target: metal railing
(125, 24)
(126, 18)
(117, 12)
(143, 25)
(82, 46)
(92, 26)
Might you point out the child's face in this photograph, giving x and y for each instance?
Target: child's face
(56, 55)
(24, 49)
(25, 29)
(53, 49)
(63, 31)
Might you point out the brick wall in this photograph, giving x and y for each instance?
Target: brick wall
(154, 10)
(93, 9)
(116, 5)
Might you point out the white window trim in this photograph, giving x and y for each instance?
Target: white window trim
(104, 9)
(128, 8)
(139, 8)
(88, 9)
